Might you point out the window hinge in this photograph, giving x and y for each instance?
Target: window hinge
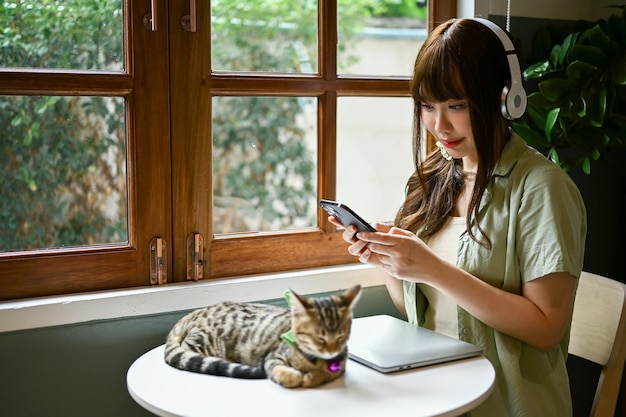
(195, 257)
(158, 261)
(189, 22)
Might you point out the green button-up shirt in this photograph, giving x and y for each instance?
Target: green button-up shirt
(535, 218)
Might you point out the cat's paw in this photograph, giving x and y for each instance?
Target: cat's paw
(286, 376)
(314, 378)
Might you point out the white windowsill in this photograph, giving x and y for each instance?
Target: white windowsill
(60, 310)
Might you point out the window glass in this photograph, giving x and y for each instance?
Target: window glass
(63, 177)
(264, 36)
(383, 41)
(264, 163)
(374, 154)
(71, 34)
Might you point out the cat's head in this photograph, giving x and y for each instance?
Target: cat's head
(321, 325)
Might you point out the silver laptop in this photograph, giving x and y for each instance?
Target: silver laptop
(388, 344)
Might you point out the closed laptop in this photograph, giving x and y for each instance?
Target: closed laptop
(388, 344)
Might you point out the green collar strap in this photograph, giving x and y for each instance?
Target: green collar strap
(288, 336)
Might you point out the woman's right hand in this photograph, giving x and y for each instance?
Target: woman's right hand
(358, 247)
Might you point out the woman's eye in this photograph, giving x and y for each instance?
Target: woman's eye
(427, 107)
(459, 106)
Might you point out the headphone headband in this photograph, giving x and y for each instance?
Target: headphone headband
(514, 97)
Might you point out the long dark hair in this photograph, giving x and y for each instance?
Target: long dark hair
(460, 59)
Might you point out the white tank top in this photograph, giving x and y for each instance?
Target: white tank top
(441, 315)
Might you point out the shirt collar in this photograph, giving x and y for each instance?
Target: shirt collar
(510, 155)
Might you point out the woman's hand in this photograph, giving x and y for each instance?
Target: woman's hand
(360, 248)
(400, 253)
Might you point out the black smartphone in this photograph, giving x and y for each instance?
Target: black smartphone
(345, 215)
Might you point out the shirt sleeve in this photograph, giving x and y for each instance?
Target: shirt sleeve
(552, 224)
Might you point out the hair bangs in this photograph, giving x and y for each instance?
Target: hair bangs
(438, 75)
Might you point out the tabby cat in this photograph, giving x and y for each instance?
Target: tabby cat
(303, 346)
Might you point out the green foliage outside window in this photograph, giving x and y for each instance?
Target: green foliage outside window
(63, 180)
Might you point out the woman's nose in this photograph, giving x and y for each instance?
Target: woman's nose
(442, 123)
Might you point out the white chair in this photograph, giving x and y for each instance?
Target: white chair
(598, 334)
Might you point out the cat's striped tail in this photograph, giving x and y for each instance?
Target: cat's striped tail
(190, 361)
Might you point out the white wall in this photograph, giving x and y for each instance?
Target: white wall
(552, 9)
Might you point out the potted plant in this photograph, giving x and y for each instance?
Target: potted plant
(576, 107)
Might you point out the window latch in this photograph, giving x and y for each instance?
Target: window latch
(195, 257)
(158, 261)
(150, 18)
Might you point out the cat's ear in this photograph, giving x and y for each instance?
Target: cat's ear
(298, 308)
(351, 295)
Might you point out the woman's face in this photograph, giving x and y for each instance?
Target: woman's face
(449, 122)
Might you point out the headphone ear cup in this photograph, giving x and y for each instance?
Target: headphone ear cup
(504, 96)
(513, 102)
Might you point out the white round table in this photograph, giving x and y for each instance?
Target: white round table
(448, 389)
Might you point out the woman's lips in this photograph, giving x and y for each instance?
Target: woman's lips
(450, 143)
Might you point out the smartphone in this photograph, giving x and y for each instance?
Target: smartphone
(346, 216)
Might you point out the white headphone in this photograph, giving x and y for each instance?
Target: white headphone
(514, 98)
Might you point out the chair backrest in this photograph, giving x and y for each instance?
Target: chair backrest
(598, 334)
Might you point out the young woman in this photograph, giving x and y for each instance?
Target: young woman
(489, 242)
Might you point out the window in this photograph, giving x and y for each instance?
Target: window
(85, 179)
(119, 128)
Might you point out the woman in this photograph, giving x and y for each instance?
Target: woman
(489, 242)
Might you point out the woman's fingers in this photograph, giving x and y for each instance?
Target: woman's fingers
(348, 232)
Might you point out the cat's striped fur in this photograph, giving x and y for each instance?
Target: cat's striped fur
(243, 340)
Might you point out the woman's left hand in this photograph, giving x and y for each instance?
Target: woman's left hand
(401, 254)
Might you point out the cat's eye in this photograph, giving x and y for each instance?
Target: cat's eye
(322, 341)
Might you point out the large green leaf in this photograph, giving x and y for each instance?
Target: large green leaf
(596, 104)
(599, 39)
(537, 70)
(556, 56)
(586, 165)
(589, 54)
(551, 120)
(538, 100)
(555, 89)
(579, 70)
(530, 135)
(553, 155)
(577, 108)
(566, 47)
(537, 115)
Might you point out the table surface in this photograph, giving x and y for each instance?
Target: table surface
(447, 389)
